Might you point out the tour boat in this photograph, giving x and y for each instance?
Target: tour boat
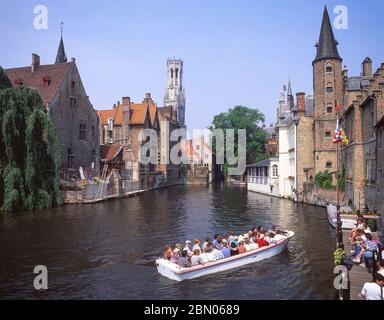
(174, 272)
(238, 183)
(347, 222)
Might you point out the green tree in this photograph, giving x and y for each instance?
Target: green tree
(41, 167)
(241, 117)
(29, 156)
(5, 88)
(4, 80)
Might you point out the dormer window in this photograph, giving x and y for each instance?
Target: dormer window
(46, 81)
(110, 124)
(19, 82)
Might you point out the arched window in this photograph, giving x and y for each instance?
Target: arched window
(329, 108)
(329, 88)
(275, 170)
(328, 67)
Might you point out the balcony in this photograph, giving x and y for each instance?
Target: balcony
(258, 180)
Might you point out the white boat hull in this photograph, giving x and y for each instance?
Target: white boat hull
(347, 223)
(174, 272)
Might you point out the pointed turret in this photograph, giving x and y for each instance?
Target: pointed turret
(290, 100)
(327, 45)
(61, 56)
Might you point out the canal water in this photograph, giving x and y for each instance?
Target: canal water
(107, 250)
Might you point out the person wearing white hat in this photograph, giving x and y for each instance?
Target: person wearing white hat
(374, 290)
(188, 247)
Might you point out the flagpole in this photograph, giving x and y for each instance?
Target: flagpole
(339, 231)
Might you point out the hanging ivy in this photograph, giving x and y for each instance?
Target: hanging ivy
(29, 153)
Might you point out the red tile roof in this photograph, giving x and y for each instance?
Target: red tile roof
(53, 74)
(109, 152)
(104, 115)
(138, 114)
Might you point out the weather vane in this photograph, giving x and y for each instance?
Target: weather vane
(62, 23)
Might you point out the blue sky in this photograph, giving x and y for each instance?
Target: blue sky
(234, 52)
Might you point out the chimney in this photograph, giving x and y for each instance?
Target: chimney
(367, 67)
(126, 100)
(300, 97)
(118, 103)
(148, 98)
(126, 105)
(35, 62)
(114, 106)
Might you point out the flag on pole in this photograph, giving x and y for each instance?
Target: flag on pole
(344, 137)
(337, 106)
(337, 137)
(340, 135)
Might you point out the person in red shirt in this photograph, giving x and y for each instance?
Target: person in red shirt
(261, 241)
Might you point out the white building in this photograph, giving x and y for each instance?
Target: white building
(288, 120)
(287, 157)
(175, 94)
(263, 177)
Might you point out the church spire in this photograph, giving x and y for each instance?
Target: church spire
(61, 56)
(290, 100)
(327, 45)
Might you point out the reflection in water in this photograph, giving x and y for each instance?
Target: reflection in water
(107, 251)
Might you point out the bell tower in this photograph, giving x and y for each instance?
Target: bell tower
(175, 94)
(327, 89)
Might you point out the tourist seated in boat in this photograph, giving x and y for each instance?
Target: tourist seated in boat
(188, 247)
(196, 258)
(240, 247)
(235, 240)
(207, 240)
(167, 253)
(261, 241)
(196, 245)
(175, 255)
(218, 254)
(207, 255)
(253, 243)
(273, 230)
(219, 244)
(234, 250)
(215, 239)
(247, 242)
(231, 237)
(225, 250)
(183, 261)
(177, 248)
(270, 237)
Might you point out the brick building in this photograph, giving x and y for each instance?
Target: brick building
(172, 172)
(123, 126)
(69, 109)
(362, 119)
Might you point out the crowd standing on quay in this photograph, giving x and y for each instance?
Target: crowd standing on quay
(222, 246)
(369, 253)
